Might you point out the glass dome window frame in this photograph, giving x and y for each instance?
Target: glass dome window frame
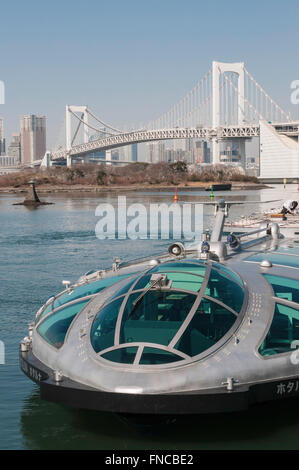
(293, 306)
(209, 265)
(277, 301)
(62, 308)
(51, 301)
(84, 300)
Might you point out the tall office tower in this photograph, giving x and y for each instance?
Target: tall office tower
(2, 140)
(129, 153)
(149, 152)
(14, 148)
(134, 153)
(207, 154)
(179, 144)
(155, 152)
(33, 138)
(169, 155)
(201, 152)
(189, 153)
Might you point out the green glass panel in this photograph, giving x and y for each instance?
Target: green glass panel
(180, 280)
(291, 250)
(82, 291)
(54, 328)
(275, 258)
(143, 282)
(156, 318)
(182, 267)
(283, 330)
(158, 356)
(103, 328)
(225, 290)
(229, 272)
(122, 355)
(185, 281)
(284, 288)
(124, 289)
(208, 325)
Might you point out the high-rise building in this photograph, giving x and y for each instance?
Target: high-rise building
(33, 138)
(7, 161)
(180, 144)
(134, 152)
(129, 153)
(155, 152)
(169, 155)
(200, 151)
(14, 148)
(2, 140)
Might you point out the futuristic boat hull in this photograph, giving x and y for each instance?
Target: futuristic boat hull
(217, 400)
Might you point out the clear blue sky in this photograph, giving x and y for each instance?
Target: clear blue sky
(131, 60)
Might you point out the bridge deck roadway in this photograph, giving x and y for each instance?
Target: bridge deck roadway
(206, 133)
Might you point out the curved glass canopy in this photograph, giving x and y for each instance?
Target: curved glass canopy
(86, 289)
(54, 328)
(283, 333)
(173, 312)
(55, 320)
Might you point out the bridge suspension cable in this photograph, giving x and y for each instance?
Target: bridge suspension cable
(187, 106)
(263, 102)
(247, 102)
(76, 132)
(102, 122)
(89, 125)
(268, 98)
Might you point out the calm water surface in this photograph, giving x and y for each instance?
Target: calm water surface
(39, 248)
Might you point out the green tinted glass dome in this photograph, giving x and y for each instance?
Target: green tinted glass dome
(55, 319)
(173, 312)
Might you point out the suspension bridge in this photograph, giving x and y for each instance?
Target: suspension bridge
(226, 104)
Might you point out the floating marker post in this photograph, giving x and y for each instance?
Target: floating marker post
(32, 199)
(32, 196)
(212, 193)
(176, 195)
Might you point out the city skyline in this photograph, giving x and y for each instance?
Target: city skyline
(129, 73)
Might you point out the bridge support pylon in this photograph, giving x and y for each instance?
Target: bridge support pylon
(219, 68)
(68, 160)
(108, 157)
(69, 110)
(242, 151)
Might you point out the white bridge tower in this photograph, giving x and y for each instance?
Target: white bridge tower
(219, 68)
(69, 111)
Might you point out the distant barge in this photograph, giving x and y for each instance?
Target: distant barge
(219, 187)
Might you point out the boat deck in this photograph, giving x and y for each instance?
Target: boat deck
(255, 219)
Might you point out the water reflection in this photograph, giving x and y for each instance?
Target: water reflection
(46, 425)
(49, 426)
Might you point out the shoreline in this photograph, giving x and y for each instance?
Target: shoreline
(191, 186)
